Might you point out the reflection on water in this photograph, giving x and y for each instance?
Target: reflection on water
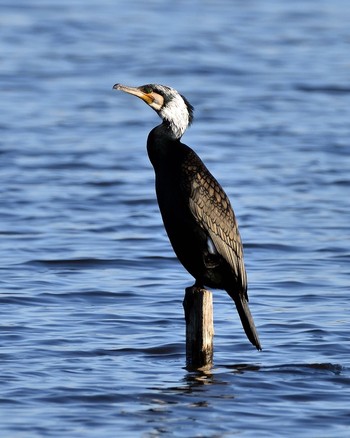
(92, 327)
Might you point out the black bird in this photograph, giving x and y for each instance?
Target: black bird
(196, 211)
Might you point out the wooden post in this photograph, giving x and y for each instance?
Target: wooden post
(198, 306)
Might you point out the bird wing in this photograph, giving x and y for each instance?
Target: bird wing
(212, 210)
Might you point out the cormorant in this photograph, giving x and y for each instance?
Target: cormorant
(196, 211)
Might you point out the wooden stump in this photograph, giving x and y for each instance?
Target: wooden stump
(198, 306)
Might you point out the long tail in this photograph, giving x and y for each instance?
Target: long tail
(247, 320)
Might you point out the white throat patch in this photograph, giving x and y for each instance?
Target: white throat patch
(176, 113)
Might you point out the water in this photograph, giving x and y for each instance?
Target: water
(92, 329)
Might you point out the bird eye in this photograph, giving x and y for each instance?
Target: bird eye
(147, 89)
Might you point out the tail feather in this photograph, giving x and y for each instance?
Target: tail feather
(247, 321)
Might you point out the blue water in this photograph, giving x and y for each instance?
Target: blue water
(92, 328)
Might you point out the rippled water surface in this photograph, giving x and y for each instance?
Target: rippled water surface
(92, 327)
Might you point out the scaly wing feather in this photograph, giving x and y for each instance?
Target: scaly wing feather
(212, 210)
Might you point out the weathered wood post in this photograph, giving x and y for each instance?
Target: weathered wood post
(198, 306)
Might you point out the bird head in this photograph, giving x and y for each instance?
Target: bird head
(173, 108)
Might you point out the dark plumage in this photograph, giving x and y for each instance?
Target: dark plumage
(196, 212)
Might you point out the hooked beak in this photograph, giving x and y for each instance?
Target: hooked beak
(146, 97)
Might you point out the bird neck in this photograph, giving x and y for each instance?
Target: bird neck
(172, 129)
(161, 147)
